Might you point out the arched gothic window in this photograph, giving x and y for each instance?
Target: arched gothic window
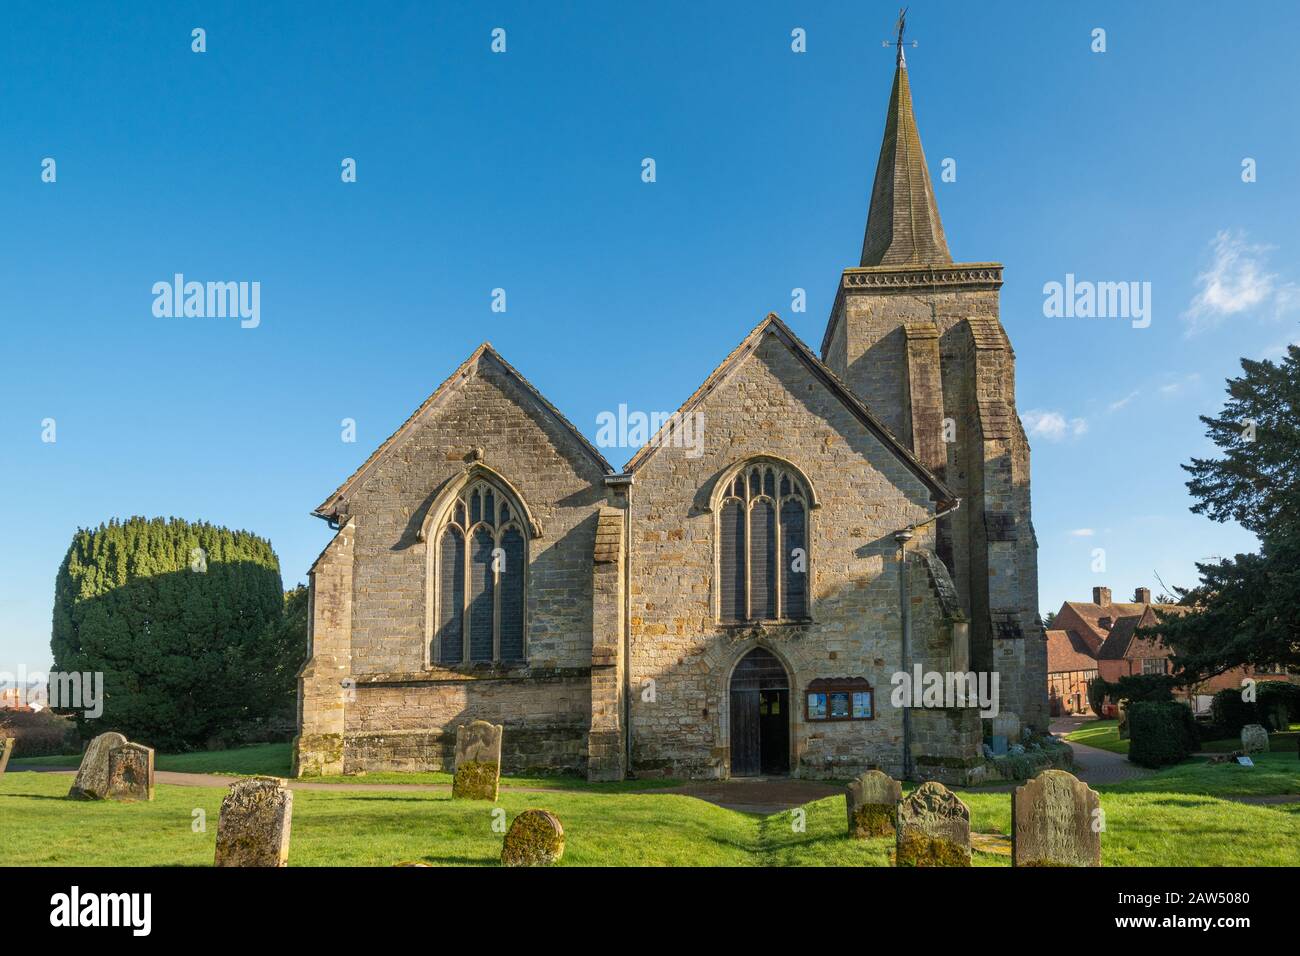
(479, 570)
(763, 544)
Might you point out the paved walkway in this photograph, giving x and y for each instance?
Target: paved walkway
(1093, 765)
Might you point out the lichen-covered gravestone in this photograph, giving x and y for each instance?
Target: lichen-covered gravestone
(535, 838)
(6, 748)
(1254, 739)
(478, 761)
(1121, 710)
(1054, 822)
(254, 826)
(130, 773)
(933, 828)
(872, 802)
(91, 782)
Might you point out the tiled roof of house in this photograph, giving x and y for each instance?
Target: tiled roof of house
(1124, 642)
(1068, 651)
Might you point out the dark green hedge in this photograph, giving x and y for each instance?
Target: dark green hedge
(1274, 693)
(1231, 712)
(1160, 733)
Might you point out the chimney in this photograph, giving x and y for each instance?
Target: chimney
(1142, 596)
(1101, 596)
(1105, 623)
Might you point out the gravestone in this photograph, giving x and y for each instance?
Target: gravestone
(1121, 710)
(130, 773)
(1254, 739)
(535, 838)
(478, 761)
(254, 826)
(6, 748)
(1279, 716)
(1007, 725)
(1052, 822)
(933, 828)
(998, 744)
(872, 802)
(91, 782)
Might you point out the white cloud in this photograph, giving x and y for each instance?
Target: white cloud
(1236, 281)
(1053, 426)
(1082, 533)
(1116, 406)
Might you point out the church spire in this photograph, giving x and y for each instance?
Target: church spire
(903, 226)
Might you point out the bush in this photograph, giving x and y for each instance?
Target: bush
(39, 734)
(1160, 733)
(1142, 687)
(1098, 688)
(1231, 712)
(1274, 694)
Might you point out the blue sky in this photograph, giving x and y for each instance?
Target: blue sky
(522, 171)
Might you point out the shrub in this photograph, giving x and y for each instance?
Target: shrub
(1271, 695)
(1231, 712)
(1140, 687)
(1160, 733)
(39, 734)
(1098, 688)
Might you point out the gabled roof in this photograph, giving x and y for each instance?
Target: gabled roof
(1091, 614)
(1068, 651)
(1124, 641)
(484, 353)
(903, 226)
(772, 325)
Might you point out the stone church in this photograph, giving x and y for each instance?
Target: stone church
(739, 607)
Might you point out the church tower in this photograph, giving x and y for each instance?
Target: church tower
(918, 337)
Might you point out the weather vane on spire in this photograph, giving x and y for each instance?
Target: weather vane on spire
(900, 42)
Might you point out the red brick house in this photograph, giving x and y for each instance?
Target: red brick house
(1105, 632)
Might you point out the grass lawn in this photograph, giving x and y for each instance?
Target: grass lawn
(1173, 818)
(1104, 735)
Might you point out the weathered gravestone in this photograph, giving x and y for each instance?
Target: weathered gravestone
(535, 838)
(6, 748)
(1053, 822)
(1254, 739)
(1007, 725)
(1121, 710)
(478, 761)
(872, 802)
(130, 773)
(254, 826)
(91, 782)
(933, 828)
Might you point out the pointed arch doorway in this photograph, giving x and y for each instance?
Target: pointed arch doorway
(760, 716)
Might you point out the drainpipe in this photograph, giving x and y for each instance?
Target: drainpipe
(905, 615)
(902, 536)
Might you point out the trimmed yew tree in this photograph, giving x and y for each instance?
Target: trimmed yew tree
(186, 622)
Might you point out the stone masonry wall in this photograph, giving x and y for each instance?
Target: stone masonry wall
(405, 711)
(770, 404)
